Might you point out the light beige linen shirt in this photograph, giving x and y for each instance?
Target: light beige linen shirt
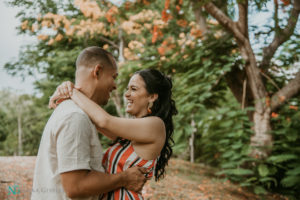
(69, 142)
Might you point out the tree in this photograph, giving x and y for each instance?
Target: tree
(264, 101)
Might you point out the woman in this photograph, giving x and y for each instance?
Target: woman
(145, 140)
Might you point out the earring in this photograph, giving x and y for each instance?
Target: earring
(149, 107)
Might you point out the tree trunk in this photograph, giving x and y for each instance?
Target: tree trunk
(117, 101)
(200, 18)
(261, 141)
(121, 46)
(192, 141)
(20, 143)
(115, 95)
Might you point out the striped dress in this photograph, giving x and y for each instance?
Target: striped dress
(118, 158)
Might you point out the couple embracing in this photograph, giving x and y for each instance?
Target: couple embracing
(70, 163)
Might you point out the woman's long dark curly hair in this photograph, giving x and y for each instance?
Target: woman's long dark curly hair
(164, 108)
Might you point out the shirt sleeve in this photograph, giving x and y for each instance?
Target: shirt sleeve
(73, 143)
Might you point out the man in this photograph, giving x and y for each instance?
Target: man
(69, 160)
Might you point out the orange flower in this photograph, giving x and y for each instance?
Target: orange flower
(165, 43)
(165, 16)
(274, 115)
(180, 2)
(59, 37)
(286, 2)
(293, 107)
(196, 32)
(146, 2)
(182, 22)
(51, 41)
(167, 4)
(178, 8)
(154, 34)
(165, 46)
(109, 14)
(161, 50)
(24, 25)
(109, 17)
(42, 37)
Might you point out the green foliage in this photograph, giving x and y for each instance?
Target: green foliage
(286, 152)
(224, 142)
(32, 120)
(3, 126)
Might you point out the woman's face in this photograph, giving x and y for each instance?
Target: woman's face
(137, 97)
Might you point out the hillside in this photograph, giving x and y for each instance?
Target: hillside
(184, 181)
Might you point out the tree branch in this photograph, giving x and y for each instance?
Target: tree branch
(109, 42)
(288, 91)
(276, 15)
(281, 36)
(243, 18)
(225, 21)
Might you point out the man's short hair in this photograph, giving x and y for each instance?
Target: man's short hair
(92, 56)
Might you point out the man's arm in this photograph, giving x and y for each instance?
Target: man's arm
(74, 155)
(82, 183)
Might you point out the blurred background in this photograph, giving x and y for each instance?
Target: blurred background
(236, 82)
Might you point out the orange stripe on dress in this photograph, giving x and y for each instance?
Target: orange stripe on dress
(123, 159)
(151, 167)
(142, 163)
(117, 194)
(126, 195)
(134, 194)
(105, 157)
(112, 157)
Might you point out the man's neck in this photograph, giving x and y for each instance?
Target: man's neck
(87, 91)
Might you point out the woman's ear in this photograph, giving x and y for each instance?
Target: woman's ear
(153, 97)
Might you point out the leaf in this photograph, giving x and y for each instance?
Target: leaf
(268, 179)
(259, 190)
(263, 170)
(295, 171)
(282, 158)
(238, 171)
(290, 181)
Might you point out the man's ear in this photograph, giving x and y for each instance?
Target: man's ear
(97, 71)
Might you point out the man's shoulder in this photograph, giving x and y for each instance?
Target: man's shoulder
(69, 105)
(69, 110)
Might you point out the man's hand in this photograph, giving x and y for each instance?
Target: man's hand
(135, 178)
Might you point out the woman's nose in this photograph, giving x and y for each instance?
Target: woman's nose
(127, 93)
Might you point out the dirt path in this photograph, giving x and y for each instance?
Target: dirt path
(16, 177)
(184, 181)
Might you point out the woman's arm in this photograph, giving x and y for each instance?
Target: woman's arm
(143, 130)
(107, 133)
